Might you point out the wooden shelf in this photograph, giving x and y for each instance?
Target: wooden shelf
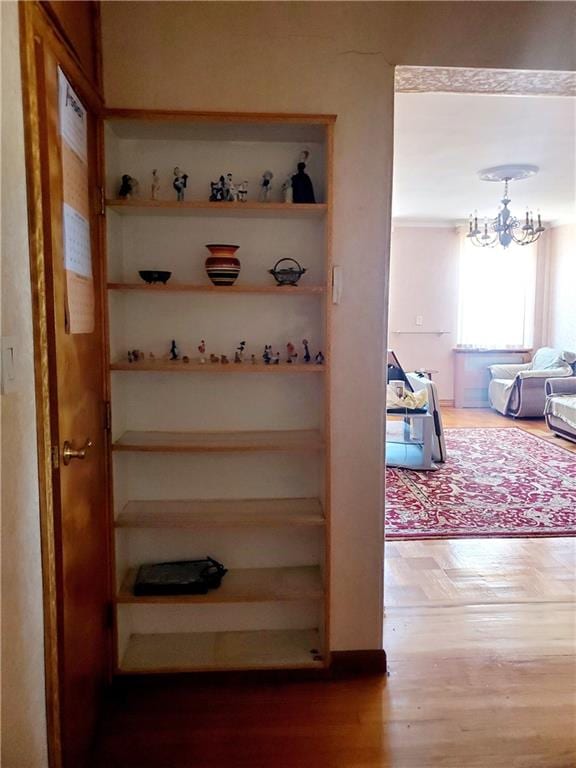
(177, 366)
(138, 207)
(220, 442)
(276, 290)
(243, 585)
(214, 651)
(221, 513)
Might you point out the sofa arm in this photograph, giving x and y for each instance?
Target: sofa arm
(563, 386)
(507, 370)
(551, 373)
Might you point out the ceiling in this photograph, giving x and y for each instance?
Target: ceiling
(442, 140)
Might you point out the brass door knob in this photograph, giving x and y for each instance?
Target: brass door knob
(69, 453)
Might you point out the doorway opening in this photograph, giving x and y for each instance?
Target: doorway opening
(478, 478)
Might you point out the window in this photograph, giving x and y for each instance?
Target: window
(496, 296)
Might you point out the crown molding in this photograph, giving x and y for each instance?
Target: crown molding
(509, 82)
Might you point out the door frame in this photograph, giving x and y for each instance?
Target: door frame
(37, 31)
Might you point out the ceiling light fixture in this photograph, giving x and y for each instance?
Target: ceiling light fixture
(505, 228)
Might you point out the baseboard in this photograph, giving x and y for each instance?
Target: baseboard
(357, 663)
(447, 403)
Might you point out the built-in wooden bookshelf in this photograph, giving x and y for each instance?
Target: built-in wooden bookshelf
(234, 460)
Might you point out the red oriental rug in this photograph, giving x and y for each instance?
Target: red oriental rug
(496, 482)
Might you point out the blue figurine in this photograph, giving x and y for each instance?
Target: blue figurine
(319, 359)
(307, 356)
(174, 351)
(180, 183)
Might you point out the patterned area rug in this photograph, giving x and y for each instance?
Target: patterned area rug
(496, 482)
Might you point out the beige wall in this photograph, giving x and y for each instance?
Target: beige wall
(330, 57)
(562, 281)
(23, 707)
(424, 281)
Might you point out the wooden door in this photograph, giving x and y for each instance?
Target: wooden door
(63, 163)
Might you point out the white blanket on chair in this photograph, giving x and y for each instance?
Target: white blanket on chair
(563, 407)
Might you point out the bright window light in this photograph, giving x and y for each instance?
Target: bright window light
(497, 296)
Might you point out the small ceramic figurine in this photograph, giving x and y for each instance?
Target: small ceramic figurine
(302, 189)
(128, 187)
(174, 351)
(214, 359)
(180, 183)
(224, 360)
(243, 192)
(276, 358)
(266, 187)
(218, 190)
(307, 356)
(151, 356)
(239, 355)
(291, 353)
(253, 359)
(185, 359)
(155, 187)
(287, 189)
(319, 359)
(267, 356)
(136, 355)
(202, 350)
(230, 194)
(130, 356)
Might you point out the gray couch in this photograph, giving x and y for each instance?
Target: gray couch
(519, 390)
(561, 406)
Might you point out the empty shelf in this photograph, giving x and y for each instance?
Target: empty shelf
(221, 513)
(215, 651)
(225, 442)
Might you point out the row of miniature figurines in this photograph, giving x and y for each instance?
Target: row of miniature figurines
(269, 357)
(297, 188)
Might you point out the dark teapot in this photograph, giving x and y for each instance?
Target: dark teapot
(287, 275)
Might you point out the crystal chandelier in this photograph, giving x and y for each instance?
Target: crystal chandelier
(505, 228)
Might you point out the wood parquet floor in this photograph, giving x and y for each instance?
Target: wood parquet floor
(480, 636)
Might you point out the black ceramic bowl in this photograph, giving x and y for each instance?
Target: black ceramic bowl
(155, 275)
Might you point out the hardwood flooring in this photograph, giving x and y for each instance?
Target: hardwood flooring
(480, 636)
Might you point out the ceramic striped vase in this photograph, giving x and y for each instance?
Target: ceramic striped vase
(222, 266)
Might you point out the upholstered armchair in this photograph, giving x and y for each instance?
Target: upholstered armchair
(520, 390)
(561, 406)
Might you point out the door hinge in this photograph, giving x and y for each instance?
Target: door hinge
(55, 453)
(101, 201)
(107, 416)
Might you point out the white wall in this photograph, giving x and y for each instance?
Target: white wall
(23, 704)
(562, 281)
(424, 281)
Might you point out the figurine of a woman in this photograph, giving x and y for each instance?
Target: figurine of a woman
(179, 183)
(287, 189)
(155, 187)
(230, 193)
(266, 187)
(302, 189)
